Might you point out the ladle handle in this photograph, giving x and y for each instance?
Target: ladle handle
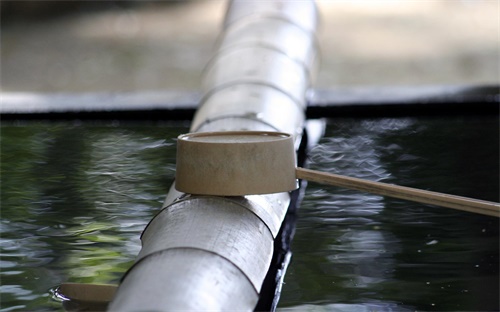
(427, 197)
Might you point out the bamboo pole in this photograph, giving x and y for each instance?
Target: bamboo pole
(412, 194)
(209, 252)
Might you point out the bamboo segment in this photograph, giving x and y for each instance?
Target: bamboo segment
(87, 292)
(207, 253)
(427, 197)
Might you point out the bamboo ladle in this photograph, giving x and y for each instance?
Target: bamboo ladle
(250, 162)
(237, 163)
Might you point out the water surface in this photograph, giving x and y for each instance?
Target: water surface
(76, 196)
(359, 252)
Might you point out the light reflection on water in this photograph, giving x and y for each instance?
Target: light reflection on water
(375, 253)
(75, 198)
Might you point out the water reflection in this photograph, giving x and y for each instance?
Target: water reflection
(352, 249)
(359, 253)
(75, 199)
(339, 307)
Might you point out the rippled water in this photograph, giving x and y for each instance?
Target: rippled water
(76, 196)
(359, 252)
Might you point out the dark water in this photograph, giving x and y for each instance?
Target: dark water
(75, 197)
(361, 252)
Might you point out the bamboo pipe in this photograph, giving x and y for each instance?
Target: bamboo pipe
(212, 253)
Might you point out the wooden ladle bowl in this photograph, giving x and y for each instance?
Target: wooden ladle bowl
(235, 163)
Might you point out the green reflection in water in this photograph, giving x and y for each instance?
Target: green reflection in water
(75, 198)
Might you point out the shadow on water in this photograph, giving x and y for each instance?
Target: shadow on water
(356, 251)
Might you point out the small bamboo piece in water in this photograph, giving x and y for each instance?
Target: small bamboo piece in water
(87, 292)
